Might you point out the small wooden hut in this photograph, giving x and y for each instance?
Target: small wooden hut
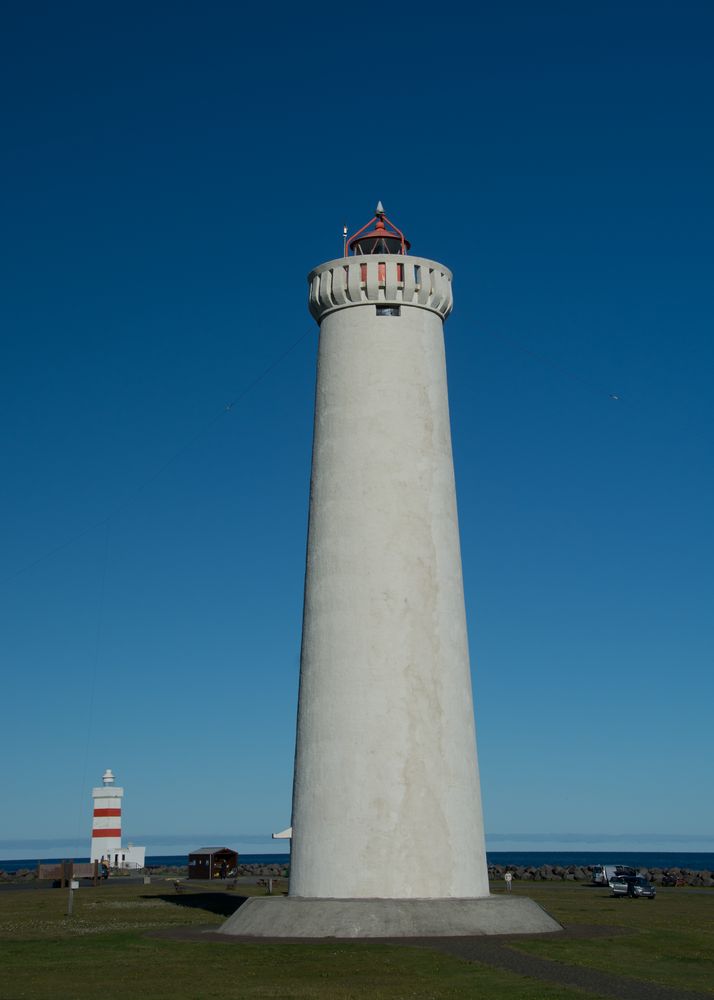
(212, 862)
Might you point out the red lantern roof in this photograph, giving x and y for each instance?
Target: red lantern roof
(380, 239)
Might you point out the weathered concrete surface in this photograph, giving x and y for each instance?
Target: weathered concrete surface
(386, 795)
(291, 917)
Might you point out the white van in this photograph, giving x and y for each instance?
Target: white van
(604, 874)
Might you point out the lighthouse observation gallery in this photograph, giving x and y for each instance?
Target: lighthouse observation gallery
(387, 829)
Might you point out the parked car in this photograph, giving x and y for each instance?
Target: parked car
(633, 886)
(604, 874)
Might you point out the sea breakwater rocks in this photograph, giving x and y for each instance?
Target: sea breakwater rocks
(521, 873)
(270, 870)
(21, 875)
(181, 871)
(169, 871)
(545, 873)
(583, 873)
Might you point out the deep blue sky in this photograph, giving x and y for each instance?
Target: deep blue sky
(171, 172)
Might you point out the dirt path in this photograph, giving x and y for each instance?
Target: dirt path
(497, 953)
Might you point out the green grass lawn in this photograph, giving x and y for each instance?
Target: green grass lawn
(103, 950)
(672, 939)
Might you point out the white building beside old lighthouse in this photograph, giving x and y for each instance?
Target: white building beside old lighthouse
(106, 828)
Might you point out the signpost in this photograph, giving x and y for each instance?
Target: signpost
(73, 884)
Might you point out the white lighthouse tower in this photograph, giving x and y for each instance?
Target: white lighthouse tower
(106, 819)
(387, 832)
(106, 828)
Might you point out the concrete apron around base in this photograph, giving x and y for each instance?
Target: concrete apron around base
(295, 917)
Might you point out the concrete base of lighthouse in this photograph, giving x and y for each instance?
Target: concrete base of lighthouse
(296, 917)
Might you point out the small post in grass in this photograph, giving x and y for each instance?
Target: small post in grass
(73, 884)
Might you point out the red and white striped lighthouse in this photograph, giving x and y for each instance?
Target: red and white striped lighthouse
(106, 819)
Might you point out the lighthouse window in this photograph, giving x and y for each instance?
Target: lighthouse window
(388, 310)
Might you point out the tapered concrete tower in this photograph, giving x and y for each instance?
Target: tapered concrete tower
(388, 834)
(386, 797)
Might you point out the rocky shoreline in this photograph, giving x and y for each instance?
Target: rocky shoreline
(584, 873)
(156, 871)
(542, 873)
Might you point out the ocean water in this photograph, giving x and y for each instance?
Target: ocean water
(694, 861)
(637, 859)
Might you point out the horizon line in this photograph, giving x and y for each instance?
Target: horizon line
(258, 838)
